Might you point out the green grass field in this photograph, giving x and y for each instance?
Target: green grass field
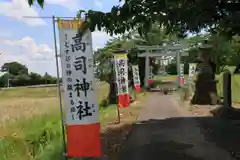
(235, 88)
(30, 123)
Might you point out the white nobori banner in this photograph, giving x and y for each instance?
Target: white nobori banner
(191, 71)
(121, 70)
(78, 77)
(80, 101)
(136, 78)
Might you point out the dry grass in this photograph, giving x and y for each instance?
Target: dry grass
(10, 111)
(26, 103)
(29, 102)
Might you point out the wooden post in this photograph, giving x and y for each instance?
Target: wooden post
(227, 90)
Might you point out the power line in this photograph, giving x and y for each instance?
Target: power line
(46, 17)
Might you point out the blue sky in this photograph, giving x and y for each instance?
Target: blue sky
(30, 41)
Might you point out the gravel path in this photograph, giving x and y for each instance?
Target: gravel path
(165, 131)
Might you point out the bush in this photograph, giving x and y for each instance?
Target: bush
(104, 103)
(26, 80)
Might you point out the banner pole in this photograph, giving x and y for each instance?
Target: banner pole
(118, 120)
(59, 90)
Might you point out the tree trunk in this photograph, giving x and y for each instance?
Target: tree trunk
(112, 95)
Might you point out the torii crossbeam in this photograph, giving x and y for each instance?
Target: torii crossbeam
(159, 51)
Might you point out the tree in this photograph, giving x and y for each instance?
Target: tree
(180, 16)
(176, 15)
(17, 75)
(4, 79)
(48, 79)
(35, 79)
(104, 62)
(20, 80)
(14, 68)
(222, 51)
(105, 69)
(235, 56)
(225, 52)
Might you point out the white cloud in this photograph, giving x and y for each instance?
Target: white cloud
(72, 5)
(98, 3)
(18, 9)
(38, 58)
(99, 39)
(28, 47)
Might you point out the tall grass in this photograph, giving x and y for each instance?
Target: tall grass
(30, 128)
(39, 138)
(235, 88)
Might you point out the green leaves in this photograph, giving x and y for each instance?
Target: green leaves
(40, 3)
(79, 13)
(30, 2)
(140, 30)
(177, 16)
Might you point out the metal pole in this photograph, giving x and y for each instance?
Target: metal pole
(59, 89)
(46, 17)
(113, 80)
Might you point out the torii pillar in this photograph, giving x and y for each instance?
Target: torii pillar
(178, 59)
(147, 70)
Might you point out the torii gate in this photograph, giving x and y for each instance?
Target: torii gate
(164, 50)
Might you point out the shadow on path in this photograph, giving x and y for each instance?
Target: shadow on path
(166, 131)
(163, 139)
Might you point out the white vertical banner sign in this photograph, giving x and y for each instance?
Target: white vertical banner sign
(121, 70)
(181, 73)
(136, 78)
(150, 75)
(191, 71)
(80, 101)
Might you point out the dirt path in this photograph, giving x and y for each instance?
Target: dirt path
(168, 132)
